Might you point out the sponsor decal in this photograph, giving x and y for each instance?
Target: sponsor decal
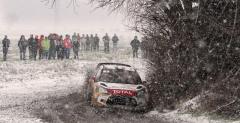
(122, 92)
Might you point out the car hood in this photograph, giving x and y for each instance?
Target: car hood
(120, 86)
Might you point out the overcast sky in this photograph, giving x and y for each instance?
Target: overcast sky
(33, 16)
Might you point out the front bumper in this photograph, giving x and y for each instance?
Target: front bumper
(129, 108)
(121, 102)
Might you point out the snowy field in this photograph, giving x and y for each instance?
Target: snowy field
(50, 91)
(26, 86)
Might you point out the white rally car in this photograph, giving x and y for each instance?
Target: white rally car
(116, 85)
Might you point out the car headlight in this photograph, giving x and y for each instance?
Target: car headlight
(141, 93)
(101, 90)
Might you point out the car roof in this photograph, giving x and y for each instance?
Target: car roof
(116, 66)
(113, 64)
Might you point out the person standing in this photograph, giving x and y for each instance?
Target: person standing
(67, 46)
(76, 46)
(106, 41)
(79, 40)
(88, 43)
(30, 49)
(52, 49)
(115, 40)
(135, 43)
(6, 44)
(96, 40)
(22, 44)
(74, 38)
(34, 46)
(45, 47)
(58, 43)
(40, 50)
(83, 42)
(60, 48)
(92, 43)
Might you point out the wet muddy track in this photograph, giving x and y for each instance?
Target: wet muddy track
(73, 109)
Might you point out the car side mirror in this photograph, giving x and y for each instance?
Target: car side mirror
(93, 78)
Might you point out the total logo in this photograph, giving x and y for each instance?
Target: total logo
(122, 92)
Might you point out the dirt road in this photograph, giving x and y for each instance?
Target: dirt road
(72, 109)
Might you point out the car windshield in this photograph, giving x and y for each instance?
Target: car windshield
(120, 76)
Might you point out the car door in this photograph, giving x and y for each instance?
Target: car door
(93, 78)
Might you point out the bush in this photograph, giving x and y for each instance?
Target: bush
(191, 45)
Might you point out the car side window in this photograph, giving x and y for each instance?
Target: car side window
(98, 74)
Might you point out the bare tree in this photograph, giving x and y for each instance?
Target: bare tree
(73, 3)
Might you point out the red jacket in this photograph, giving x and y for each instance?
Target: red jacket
(67, 43)
(40, 42)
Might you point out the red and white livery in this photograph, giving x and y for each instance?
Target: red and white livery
(117, 85)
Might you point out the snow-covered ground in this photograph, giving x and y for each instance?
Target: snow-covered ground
(24, 83)
(28, 86)
(175, 116)
(181, 115)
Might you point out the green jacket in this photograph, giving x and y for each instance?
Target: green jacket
(45, 44)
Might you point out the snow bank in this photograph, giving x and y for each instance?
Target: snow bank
(180, 116)
(177, 117)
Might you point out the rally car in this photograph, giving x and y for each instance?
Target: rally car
(116, 85)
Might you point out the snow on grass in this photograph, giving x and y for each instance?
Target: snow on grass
(190, 105)
(23, 82)
(26, 81)
(180, 115)
(14, 119)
